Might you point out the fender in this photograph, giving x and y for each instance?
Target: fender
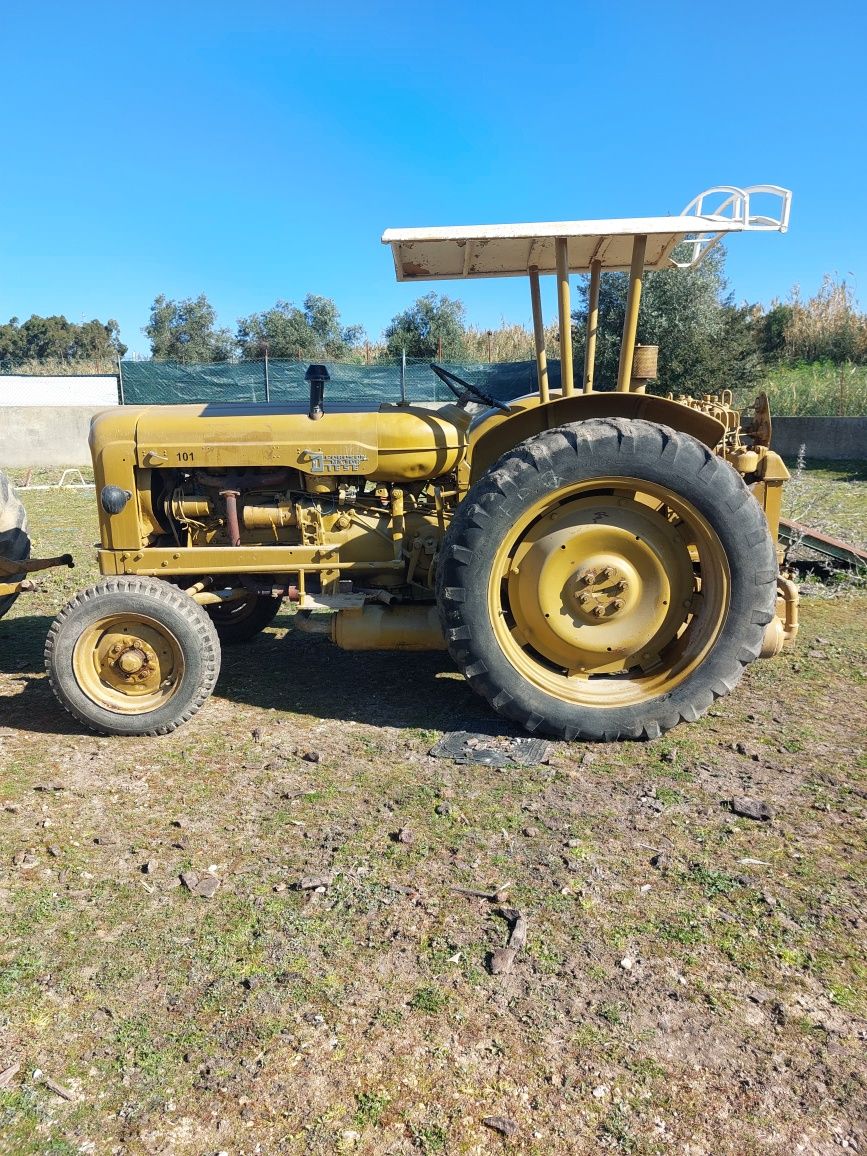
(493, 432)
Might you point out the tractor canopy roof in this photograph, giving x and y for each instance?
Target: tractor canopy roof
(465, 251)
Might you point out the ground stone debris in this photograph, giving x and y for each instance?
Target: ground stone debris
(208, 886)
(205, 886)
(501, 1124)
(314, 882)
(751, 809)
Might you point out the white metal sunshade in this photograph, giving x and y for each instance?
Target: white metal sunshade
(467, 251)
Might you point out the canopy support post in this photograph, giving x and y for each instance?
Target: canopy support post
(539, 334)
(630, 323)
(567, 373)
(592, 325)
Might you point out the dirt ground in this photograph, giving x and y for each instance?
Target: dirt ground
(693, 981)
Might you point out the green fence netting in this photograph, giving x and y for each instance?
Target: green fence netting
(173, 383)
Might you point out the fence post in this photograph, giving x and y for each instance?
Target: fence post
(403, 377)
(841, 404)
(120, 381)
(267, 380)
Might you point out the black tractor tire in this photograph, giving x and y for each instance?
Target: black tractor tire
(567, 456)
(132, 605)
(241, 620)
(14, 539)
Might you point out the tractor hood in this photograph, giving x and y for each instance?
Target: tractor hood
(393, 442)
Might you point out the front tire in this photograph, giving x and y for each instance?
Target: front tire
(606, 580)
(132, 656)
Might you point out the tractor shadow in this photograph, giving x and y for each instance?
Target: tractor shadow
(307, 674)
(32, 705)
(284, 670)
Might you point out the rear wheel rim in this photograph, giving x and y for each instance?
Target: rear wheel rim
(609, 592)
(238, 610)
(128, 663)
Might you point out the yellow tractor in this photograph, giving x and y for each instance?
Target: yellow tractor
(600, 565)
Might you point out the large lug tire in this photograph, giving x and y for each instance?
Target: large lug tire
(132, 656)
(14, 539)
(606, 580)
(241, 620)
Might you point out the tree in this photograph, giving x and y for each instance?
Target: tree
(184, 331)
(705, 342)
(420, 329)
(323, 318)
(56, 339)
(284, 330)
(771, 329)
(99, 342)
(13, 347)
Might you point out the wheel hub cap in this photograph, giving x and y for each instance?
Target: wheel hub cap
(132, 660)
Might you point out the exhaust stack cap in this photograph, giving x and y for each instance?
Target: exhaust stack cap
(317, 375)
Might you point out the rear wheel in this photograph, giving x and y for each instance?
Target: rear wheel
(132, 656)
(607, 580)
(242, 618)
(14, 539)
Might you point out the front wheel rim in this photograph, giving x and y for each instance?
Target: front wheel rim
(609, 592)
(128, 663)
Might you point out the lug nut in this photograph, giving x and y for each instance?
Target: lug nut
(622, 584)
(617, 604)
(607, 574)
(598, 611)
(589, 577)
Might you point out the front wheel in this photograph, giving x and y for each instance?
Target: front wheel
(606, 580)
(132, 656)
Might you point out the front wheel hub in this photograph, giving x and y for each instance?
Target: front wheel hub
(132, 660)
(128, 664)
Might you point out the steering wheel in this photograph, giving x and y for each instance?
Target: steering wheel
(469, 391)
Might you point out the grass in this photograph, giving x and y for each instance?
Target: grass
(367, 1018)
(828, 496)
(428, 999)
(370, 1107)
(813, 389)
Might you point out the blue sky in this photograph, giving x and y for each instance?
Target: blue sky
(256, 151)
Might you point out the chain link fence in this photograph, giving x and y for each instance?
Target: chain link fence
(282, 381)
